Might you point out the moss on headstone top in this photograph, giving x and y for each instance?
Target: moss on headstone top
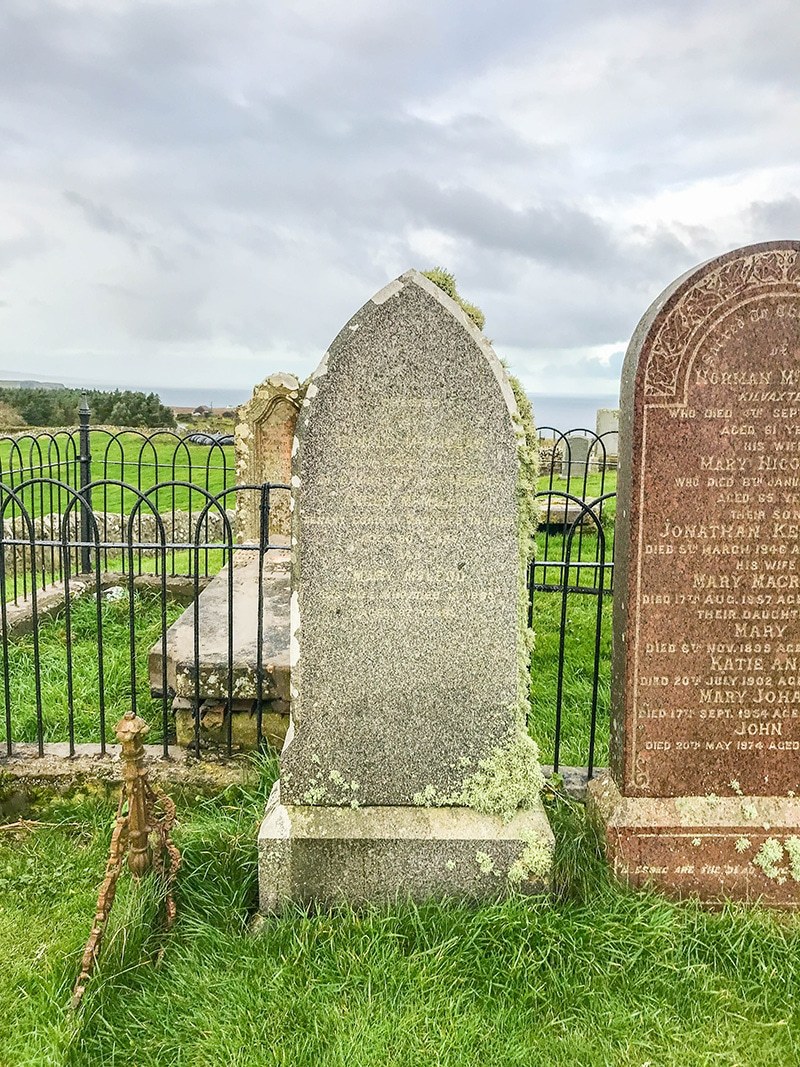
(447, 283)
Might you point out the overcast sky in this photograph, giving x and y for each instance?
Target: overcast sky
(205, 190)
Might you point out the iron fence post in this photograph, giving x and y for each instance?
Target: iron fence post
(85, 471)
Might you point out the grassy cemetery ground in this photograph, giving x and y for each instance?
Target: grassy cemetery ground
(594, 976)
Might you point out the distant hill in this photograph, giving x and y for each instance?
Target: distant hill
(14, 383)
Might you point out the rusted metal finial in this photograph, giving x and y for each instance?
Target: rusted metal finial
(142, 812)
(130, 731)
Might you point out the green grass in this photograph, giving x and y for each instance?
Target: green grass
(577, 681)
(86, 699)
(594, 976)
(595, 485)
(579, 642)
(130, 459)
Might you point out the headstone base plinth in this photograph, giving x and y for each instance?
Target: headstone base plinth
(743, 848)
(330, 855)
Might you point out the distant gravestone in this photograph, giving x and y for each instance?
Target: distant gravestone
(702, 797)
(607, 428)
(407, 770)
(263, 443)
(576, 457)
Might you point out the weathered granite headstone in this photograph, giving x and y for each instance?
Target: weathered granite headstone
(407, 769)
(705, 777)
(263, 443)
(576, 457)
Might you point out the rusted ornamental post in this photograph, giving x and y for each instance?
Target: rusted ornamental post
(149, 811)
(130, 731)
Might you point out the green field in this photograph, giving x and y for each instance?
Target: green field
(139, 462)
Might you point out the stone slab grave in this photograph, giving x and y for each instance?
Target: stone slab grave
(702, 798)
(407, 770)
(263, 442)
(211, 693)
(558, 511)
(263, 445)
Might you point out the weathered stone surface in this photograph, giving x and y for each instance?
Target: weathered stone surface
(607, 428)
(243, 725)
(576, 460)
(263, 442)
(708, 846)
(407, 563)
(705, 696)
(409, 662)
(549, 461)
(214, 627)
(558, 511)
(329, 854)
(26, 774)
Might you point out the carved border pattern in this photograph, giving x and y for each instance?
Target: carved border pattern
(722, 284)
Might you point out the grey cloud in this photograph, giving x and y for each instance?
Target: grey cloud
(776, 219)
(13, 250)
(248, 174)
(103, 218)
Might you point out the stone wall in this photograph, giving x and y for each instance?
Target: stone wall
(179, 527)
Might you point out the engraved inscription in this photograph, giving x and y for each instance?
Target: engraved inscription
(716, 646)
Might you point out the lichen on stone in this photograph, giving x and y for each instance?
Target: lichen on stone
(769, 857)
(533, 862)
(315, 794)
(527, 523)
(485, 862)
(426, 798)
(792, 846)
(742, 844)
(509, 779)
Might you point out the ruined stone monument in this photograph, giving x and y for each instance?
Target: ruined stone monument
(407, 770)
(704, 792)
(263, 442)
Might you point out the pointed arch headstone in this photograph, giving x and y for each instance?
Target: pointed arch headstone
(410, 658)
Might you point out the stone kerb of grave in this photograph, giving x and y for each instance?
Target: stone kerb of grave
(263, 443)
(702, 796)
(407, 769)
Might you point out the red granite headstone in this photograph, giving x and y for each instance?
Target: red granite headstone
(705, 749)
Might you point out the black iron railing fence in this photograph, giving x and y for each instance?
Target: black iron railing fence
(106, 538)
